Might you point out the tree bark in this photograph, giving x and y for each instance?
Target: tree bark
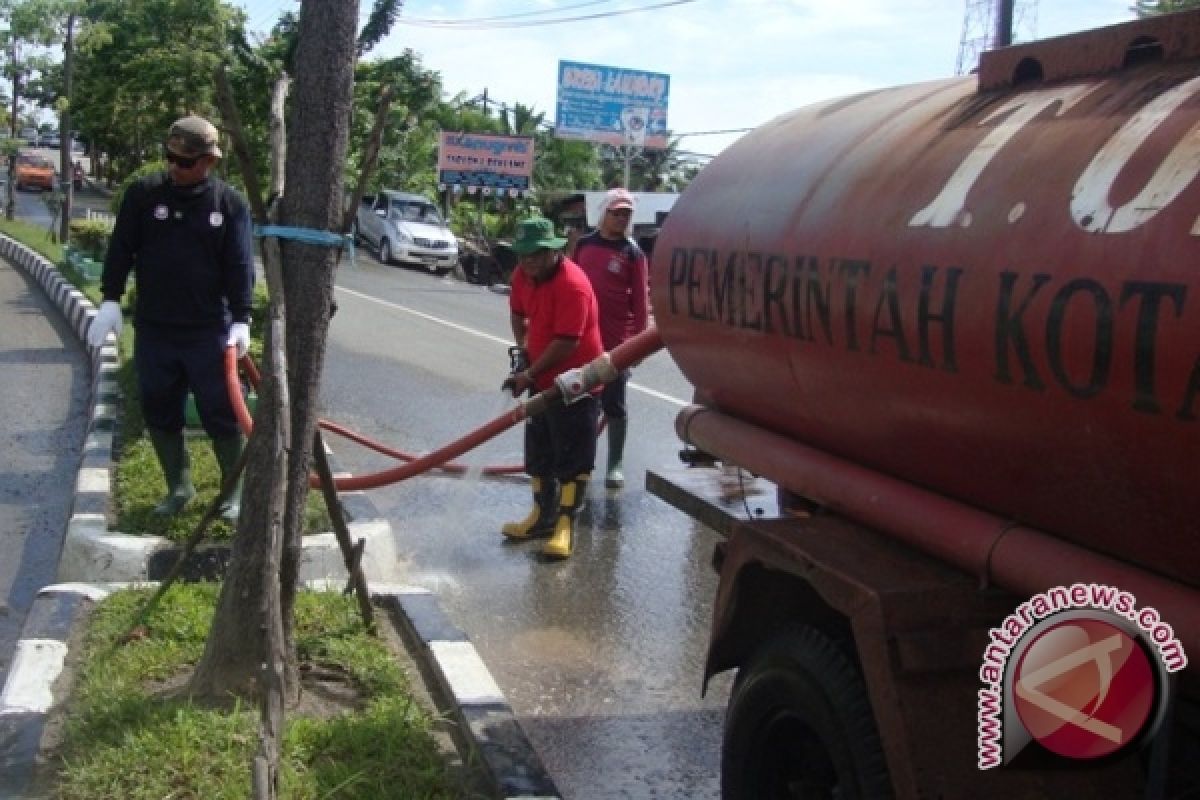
(240, 643)
(273, 677)
(237, 647)
(370, 155)
(317, 133)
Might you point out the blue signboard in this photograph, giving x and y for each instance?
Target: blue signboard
(611, 105)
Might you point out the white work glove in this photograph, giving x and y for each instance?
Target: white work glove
(239, 335)
(107, 320)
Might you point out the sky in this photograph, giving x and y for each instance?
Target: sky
(733, 64)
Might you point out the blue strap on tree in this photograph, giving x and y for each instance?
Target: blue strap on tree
(344, 241)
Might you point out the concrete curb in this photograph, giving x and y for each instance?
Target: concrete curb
(485, 720)
(92, 554)
(28, 694)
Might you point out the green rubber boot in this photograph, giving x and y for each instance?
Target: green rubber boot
(563, 539)
(617, 428)
(228, 450)
(540, 521)
(172, 455)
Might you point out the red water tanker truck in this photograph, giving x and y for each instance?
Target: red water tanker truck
(957, 324)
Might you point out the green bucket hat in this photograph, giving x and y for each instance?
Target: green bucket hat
(536, 233)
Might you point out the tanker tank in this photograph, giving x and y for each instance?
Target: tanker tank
(987, 287)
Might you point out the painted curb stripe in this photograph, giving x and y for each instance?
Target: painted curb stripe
(36, 664)
(465, 673)
(91, 591)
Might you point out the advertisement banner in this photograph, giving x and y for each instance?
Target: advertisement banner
(485, 160)
(611, 105)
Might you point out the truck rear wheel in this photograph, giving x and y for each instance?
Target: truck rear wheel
(799, 725)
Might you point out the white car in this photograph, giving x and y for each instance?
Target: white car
(407, 229)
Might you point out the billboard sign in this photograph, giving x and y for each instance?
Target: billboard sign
(611, 105)
(485, 160)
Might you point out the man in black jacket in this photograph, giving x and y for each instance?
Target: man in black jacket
(187, 238)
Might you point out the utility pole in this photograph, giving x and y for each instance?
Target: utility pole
(1004, 23)
(988, 24)
(65, 140)
(10, 206)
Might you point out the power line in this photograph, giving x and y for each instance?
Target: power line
(268, 16)
(713, 133)
(478, 25)
(520, 13)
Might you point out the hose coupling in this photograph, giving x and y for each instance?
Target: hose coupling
(571, 385)
(575, 383)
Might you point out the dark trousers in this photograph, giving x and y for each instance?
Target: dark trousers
(171, 361)
(612, 399)
(561, 443)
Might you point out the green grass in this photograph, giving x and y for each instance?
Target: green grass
(33, 236)
(139, 486)
(125, 740)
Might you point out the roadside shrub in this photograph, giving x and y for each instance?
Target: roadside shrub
(90, 236)
(464, 221)
(149, 168)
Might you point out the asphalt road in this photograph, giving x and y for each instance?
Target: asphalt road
(43, 397)
(601, 656)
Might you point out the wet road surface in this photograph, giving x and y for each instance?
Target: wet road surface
(601, 656)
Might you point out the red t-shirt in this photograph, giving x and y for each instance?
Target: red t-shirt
(617, 270)
(563, 306)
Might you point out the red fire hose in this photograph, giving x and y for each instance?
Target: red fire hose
(253, 377)
(602, 370)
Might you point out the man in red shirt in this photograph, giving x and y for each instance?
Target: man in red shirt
(555, 319)
(617, 269)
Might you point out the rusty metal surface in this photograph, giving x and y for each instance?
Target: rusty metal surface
(716, 500)
(1094, 52)
(916, 626)
(990, 295)
(1016, 558)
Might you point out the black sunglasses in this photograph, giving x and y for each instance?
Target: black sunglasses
(181, 161)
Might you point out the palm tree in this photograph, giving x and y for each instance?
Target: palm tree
(664, 169)
(1151, 8)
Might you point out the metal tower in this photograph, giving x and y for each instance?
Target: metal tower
(980, 22)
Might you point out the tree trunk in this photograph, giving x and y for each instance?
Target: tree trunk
(238, 645)
(316, 133)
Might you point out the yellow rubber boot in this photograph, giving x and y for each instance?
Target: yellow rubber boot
(540, 521)
(563, 538)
